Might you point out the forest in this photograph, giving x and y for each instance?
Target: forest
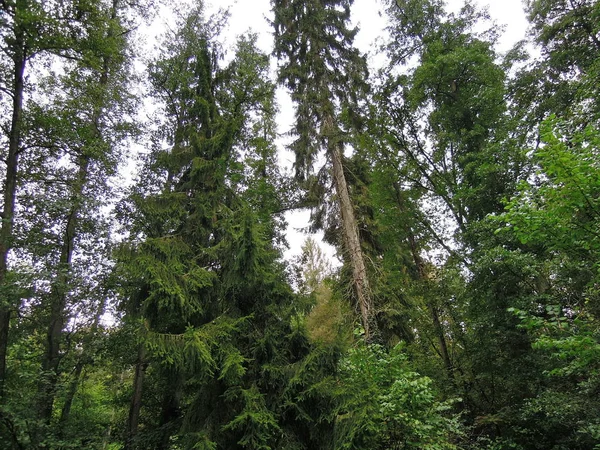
(459, 186)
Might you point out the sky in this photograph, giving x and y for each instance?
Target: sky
(254, 14)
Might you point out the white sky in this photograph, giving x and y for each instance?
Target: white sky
(252, 15)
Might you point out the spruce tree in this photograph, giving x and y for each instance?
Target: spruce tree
(326, 77)
(217, 324)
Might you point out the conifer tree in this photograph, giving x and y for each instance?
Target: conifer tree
(326, 77)
(215, 313)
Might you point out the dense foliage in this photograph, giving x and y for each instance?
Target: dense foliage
(459, 186)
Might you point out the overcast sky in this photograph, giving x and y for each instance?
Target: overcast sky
(253, 14)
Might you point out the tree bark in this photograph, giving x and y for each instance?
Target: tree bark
(353, 248)
(10, 189)
(136, 400)
(58, 297)
(59, 290)
(422, 276)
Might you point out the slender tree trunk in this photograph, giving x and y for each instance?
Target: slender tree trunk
(10, 189)
(59, 291)
(354, 251)
(70, 395)
(422, 276)
(439, 330)
(136, 399)
(58, 297)
(81, 363)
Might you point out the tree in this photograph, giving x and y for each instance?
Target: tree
(92, 85)
(562, 80)
(71, 132)
(313, 265)
(452, 153)
(23, 20)
(458, 90)
(326, 76)
(216, 316)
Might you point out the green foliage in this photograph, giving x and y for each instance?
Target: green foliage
(383, 403)
(255, 423)
(217, 313)
(561, 209)
(482, 241)
(447, 114)
(555, 217)
(567, 33)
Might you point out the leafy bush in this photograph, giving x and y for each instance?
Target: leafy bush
(383, 404)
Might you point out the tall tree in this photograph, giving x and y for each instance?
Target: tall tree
(22, 21)
(73, 128)
(217, 331)
(326, 76)
(562, 79)
(31, 31)
(448, 139)
(448, 117)
(92, 85)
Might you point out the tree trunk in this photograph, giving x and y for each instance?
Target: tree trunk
(422, 276)
(70, 395)
(58, 297)
(10, 189)
(136, 400)
(439, 330)
(81, 362)
(354, 251)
